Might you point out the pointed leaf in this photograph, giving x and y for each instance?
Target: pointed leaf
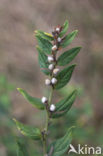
(64, 105)
(34, 101)
(68, 56)
(31, 132)
(46, 72)
(64, 76)
(43, 61)
(22, 151)
(65, 28)
(44, 44)
(44, 35)
(68, 39)
(42, 58)
(61, 145)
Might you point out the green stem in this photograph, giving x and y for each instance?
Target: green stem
(47, 113)
(47, 124)
(44, 147)
(50, 97)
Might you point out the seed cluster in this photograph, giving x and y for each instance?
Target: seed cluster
(52, 65)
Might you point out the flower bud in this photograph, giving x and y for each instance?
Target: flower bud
(53, 80)
(50, 59)
(54, 48)
(51, 66)
(52, 107)
(47, 82)
(44, 99)
(59, 39)
(55, 71)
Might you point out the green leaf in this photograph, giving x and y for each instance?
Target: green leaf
(63, 106)
(61, 145)
(64, 76)
(68, 39)
(45, 72)
(44, 44)
(65, 28)
(68, 56)
(22, 150)
(31, 132)
(43, 61)
(42, 58)
(34, 101)
(44, 35)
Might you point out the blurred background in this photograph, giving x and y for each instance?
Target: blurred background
(19, 68)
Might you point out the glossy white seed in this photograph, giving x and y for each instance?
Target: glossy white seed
(47, 82)
(54, 48)
(52, 107)
(53, 80)
(44, 99)
(56, 71)
(59, 39)
(51, 66)
(57, 29)
(50, 59)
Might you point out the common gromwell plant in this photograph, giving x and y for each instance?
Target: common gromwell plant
(48, 47)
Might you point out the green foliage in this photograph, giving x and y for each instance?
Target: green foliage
(64, 29)
(44, 44)
(49, 44)
(68, 38)
(64, 105)
(31, 132)
(68, 56)
(7, 140)
(34, 101)
(64, 76)
(22, 150)
(61, 145)
(43, 61)
(44, 35)
(42, 58)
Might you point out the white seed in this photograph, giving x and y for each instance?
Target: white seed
(52, 107)
(51, 66)
(54, 48)
(59, 39)
(55, 71)
(53, 80)
(50, 59)
(44, 99)
(57, 29)
(47, 82)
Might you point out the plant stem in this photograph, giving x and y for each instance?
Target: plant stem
(50, 96)
(44, 147)
(47, 111)
(47, 124)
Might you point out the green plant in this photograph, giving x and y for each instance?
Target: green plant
(6, 124)
(48, 47)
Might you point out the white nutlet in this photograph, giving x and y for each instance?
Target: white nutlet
(44, 99)
(54, 48)
(50, 59)
(58, 29)
(51, 67)
(47, 82)
(56, 71)
(52, 107)
(59, 39)
(53, 80)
